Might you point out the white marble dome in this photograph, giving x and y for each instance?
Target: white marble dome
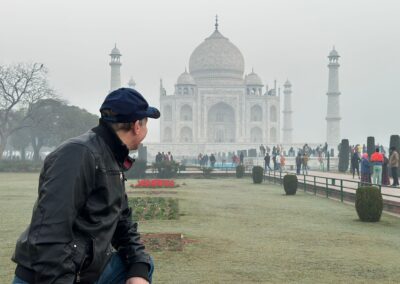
(115, 51)
(185, 79)
(216, 57)
(253, 79)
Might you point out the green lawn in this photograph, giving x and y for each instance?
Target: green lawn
(244, 233)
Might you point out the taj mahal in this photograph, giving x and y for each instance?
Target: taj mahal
(215, 106)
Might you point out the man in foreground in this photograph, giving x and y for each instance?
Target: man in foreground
(81, 229)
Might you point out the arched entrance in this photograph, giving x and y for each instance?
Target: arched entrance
(221, 126)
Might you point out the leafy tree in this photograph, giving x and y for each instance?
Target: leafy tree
(73, 121)
(53, 121)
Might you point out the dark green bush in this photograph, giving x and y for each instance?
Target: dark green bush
(344, 156)
(239, 171)
(138, 170)
(207, 171)
(258, 174)
(19, 166)
(166, 169)
(369, 203)
(290, 184)
(182, 168)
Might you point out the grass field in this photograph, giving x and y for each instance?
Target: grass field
(244, 233)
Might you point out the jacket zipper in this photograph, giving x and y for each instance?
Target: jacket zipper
(78, 274)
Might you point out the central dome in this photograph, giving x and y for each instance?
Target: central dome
(217, 58)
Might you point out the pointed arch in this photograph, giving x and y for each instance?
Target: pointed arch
(256, 113)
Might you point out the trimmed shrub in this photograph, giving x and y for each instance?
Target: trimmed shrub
(370, 145)
(369, 203)
(207, 171)
(344, 155)
(290, 184)
(239, 171)
(258, 174)
(138, 170)
(20, 166)
(166, 169)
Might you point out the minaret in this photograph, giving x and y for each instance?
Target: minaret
(115, 64)
(287, 114)
(131, 83)
(163, 92)
(333, 115)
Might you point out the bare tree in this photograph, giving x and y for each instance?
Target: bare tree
(21, 87)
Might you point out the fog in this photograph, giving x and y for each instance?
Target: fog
(279, 39)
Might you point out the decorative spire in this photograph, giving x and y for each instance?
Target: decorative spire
(132, 83)
(216, 22)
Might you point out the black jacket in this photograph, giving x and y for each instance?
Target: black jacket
(81, 214)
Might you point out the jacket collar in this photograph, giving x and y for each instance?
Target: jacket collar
(119, 149)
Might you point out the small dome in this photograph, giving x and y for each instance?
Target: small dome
(287, 84)
(132, 83)
(185, 79)
(253, 79)
(115, 51)
(334, 53)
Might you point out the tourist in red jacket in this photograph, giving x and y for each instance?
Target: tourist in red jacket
(377, 161)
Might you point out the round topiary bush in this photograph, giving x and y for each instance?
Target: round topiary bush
(239, 171)
(369, 203)
(290, 184)
(258, 174)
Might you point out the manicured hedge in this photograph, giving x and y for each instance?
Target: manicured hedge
(290, 184)
(20, 166)
(369, 203)
(258, 174)
(240, 171)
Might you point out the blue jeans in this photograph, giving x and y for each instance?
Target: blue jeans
(114, 273)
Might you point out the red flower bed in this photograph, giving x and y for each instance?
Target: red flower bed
(154, 183)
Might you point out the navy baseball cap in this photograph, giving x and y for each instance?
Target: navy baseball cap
(129, 105)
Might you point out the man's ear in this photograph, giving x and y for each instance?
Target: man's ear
(136, 127)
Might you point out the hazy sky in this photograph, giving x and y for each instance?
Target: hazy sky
(280, 39)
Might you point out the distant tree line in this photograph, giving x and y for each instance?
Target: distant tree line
(31, 114)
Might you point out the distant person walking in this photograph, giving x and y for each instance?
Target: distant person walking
(241, 157)
(267, 160)
(212, 160)
(377, 161)
(321, 162)
(299, 161)
(365, 170)
(305, 164)
(355, 163)
(394, 165)
(385, 171)
(283, 162)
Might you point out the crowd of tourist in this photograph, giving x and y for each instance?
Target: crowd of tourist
(376, 169)
(161, 156)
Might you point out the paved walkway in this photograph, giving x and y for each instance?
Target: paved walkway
(349, 184)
